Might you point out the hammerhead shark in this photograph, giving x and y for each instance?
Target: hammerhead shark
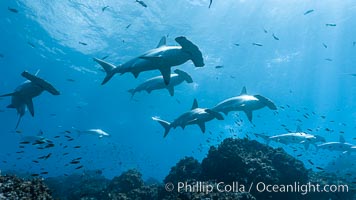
(23, 94)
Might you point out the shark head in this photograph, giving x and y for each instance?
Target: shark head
(41, 83)
(184, 75)
(195, 54)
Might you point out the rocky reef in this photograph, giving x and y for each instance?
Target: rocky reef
(243, 162)
(186, 169)
(129, 185)
(234, 161)
(89, 185)
(12, 187)
(249, 162)
(323, 178)
(126, 182)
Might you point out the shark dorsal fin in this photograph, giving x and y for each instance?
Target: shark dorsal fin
(162, 42)
(195, 104)
(299, 129)
(342, 139)
(243, 91)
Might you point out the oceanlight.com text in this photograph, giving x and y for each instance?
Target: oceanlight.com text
(296, 187)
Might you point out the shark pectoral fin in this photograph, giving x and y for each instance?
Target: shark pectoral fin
(195, 104)
(166, 73)
(7, 95)
(21, 114)
(29, 104)
(306, 145)
(248, 114)
(243, 91)
(215, 114)
(267, 102)
(202, 126)
(162, 42)
(170, 89)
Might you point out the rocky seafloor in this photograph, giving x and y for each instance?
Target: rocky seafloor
(14, 188)
(238, 161)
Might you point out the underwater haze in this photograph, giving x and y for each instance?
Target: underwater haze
(298, 53)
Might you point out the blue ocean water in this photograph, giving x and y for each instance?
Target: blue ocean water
(304, 66)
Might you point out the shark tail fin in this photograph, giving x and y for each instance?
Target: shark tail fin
(108, 68)
(42, 83)
(166, 125)
(267, 102)
(184, 75)
(188, 46)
